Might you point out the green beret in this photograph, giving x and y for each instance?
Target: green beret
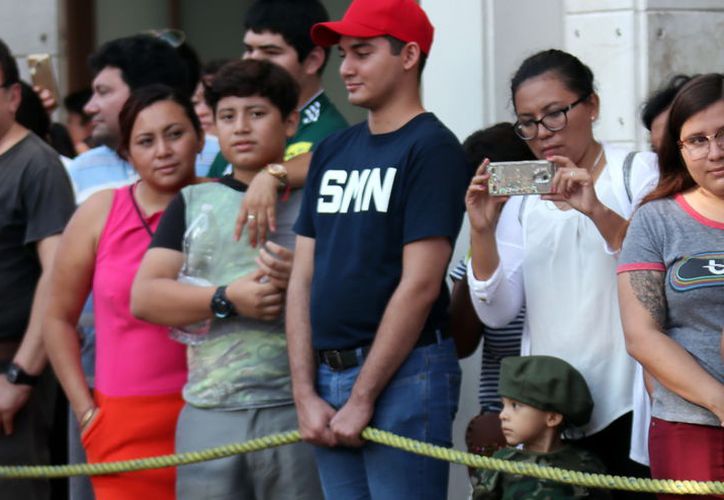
(547, 383)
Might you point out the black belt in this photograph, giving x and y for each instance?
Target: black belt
(343, 359)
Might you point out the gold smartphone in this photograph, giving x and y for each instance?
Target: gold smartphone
(41, 73)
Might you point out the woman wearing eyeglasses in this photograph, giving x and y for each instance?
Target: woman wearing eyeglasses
(671, 288)
(557, 253)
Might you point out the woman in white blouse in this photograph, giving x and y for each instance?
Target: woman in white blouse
(557, 253)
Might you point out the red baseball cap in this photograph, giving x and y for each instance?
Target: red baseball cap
(402, 19)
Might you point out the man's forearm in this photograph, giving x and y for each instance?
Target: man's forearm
(299, 339)
(396, 336)
(423, 268)
(31, 354)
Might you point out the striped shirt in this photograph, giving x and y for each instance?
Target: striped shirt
(498, 343)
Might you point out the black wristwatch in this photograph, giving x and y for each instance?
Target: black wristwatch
(221, 306)
(16, 375)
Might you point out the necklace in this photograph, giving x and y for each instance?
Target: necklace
(596, 162)
(132, 189)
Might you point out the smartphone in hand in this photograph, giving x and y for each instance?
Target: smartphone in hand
(41, 73)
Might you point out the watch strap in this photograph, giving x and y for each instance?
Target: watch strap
(16, 375)
(278, 171)
(221, 306)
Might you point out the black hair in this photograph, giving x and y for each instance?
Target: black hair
(569, 431)
(8, 65)
(31, 114)
(193, 64)
(575, 75)
(212, 67)
(695, 96)
(497, 143)
(208, 72)
(59, 139)
(660, 100)
(144, 97)
(292, 19)
(255, 78)
(76, 101)
(396, 46)
(143, 60)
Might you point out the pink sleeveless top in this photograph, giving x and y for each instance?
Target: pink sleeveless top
(133, 358)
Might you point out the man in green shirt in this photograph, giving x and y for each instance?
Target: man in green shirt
(278, 31)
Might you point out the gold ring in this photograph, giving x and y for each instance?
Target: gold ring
(251, 217)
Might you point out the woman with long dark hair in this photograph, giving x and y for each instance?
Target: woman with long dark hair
(671, 288)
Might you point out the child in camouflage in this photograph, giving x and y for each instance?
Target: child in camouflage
(540, 395)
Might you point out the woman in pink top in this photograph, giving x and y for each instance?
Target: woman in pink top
(139, 370)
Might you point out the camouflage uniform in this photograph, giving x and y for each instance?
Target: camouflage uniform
(488, 484)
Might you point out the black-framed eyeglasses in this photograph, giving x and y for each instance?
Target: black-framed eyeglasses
(553, 121)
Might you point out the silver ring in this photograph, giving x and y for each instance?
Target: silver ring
(251, 217)
(572, 174)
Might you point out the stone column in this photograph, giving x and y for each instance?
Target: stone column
(635, 46)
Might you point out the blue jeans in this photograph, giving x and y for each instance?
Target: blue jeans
(419, 402)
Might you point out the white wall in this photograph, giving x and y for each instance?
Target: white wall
(634, 46)
(30, 28)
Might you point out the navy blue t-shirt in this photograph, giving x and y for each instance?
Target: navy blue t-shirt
(366, 197)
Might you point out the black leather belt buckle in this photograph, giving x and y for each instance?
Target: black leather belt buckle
(339, 360)
(431, 337)
(334, 360)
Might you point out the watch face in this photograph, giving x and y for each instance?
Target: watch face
(277, 169)
(220, 305)
(12, 374)
(222, 310)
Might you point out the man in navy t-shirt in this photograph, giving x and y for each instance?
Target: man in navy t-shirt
(367, 300)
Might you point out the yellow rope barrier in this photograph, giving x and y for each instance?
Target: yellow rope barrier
(103, 468)
(380, 437)
(542, 472)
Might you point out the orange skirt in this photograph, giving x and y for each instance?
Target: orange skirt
(133, 427)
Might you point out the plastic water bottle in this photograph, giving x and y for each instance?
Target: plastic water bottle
(199, 246)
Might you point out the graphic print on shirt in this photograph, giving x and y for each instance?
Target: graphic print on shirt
(312, 112)
(698, 271)
(368, 188)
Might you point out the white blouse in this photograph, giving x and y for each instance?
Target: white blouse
(560, 264)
